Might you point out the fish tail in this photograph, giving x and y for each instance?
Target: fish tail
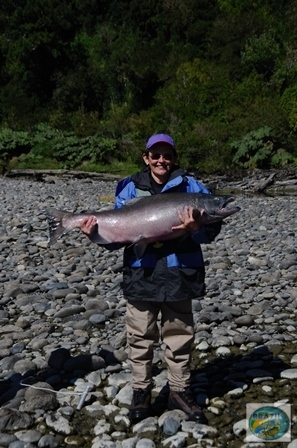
(55, 222)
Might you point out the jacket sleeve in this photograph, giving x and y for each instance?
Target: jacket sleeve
(207, 233)
(128, 192)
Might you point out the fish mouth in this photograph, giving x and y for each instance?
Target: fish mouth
(224, 210)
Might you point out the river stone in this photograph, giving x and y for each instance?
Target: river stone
(70, 311)
(239, 428)
(289, 373)
(145, 443)
(29, 436)
(6, 439)
(13, 420)
(74, 440)
(59, 424)
(48, 441)
(46, 402)
(23, 366)
(57, 358)
(245, 320)
(170, 426)
(221, 341)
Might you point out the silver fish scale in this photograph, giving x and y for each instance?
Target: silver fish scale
(142, 220)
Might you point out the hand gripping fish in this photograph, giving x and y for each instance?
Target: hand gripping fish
(143, 220)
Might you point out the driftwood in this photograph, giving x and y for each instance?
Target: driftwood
(263, 185)
(259, 181)
(41, 175)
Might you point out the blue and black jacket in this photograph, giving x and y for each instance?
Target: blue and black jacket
(170, 270)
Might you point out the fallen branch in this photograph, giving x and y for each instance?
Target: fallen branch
(262, 187)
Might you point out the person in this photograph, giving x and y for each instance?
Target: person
(162, 283)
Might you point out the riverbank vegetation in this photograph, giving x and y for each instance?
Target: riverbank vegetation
(84, 84)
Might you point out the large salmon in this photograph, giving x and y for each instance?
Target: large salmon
(143, 220)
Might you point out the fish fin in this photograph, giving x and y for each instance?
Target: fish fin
(99, 239)
(139, 247)
(56, 228)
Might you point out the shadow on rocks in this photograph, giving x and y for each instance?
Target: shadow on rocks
(63, 369)
(237, 378)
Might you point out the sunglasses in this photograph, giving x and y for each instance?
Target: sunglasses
(166, 157)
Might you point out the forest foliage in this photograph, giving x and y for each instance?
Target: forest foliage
(84, 83)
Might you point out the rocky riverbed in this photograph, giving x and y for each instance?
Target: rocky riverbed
(64, 375)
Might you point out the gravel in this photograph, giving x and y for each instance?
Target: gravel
(64, 374)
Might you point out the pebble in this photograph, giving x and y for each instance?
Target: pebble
(64, 374)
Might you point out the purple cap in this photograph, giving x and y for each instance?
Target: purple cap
(160, 138)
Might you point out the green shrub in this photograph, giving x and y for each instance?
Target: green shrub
(289, 105)
(72, 151)
(257, 149)
(14, 143)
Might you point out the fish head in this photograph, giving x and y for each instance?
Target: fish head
(216, 207)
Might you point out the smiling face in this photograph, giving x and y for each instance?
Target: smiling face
(160, 158)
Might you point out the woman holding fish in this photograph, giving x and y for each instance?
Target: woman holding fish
(163, 282)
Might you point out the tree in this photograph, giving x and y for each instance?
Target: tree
(35, 44)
